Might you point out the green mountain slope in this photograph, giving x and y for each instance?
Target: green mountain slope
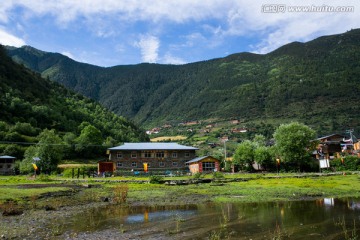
(29, 104)
(315, 82)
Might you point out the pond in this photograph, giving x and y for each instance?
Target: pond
(318, 219)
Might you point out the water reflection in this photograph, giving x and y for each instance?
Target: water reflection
(159, 215)
(326, 218)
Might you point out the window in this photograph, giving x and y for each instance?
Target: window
(119, 155)
(161, 164)
(160, 154)
(147, 154)
(187, 154)
(208, 166)
(133, 155)
(119, 164)
(133, 164)
(174, 154)
(174, 164)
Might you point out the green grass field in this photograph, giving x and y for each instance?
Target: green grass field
(252, 188)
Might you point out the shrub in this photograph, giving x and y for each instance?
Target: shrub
(43, 178)
(156, 179)
(218, 175)
(198, 175)
(350, 163)
(120, 193)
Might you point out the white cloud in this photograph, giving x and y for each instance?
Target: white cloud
(169, 59)
(216, 20)
(155, 10)
(9, 39)
(68, 54)
(149, 47)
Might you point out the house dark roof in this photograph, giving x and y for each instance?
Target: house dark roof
(331, 136)
(198, 159)
(152, 146)
(7, 157)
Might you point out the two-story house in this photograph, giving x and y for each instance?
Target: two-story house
(156, 156)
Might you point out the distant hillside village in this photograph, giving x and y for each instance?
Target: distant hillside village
(200, 126)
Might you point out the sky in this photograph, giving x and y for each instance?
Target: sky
(120, 32)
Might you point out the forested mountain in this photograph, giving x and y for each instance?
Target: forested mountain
(317, 82)
(29, 104)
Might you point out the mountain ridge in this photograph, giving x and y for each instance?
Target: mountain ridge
(295, 81)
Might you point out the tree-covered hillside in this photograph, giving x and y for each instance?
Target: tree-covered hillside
(29, 104)
(315, 82)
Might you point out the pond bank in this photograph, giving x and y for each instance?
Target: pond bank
(40, 210)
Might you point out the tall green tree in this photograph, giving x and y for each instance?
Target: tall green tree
(89, 142)
(49, 150)
(293, 143)
(26, 164)
(263, 156)
(244, 155)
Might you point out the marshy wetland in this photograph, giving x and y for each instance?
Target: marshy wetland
(240, 207)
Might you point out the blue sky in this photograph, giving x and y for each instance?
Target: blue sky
(120, 32)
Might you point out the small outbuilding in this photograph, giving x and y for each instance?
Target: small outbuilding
(204, 164)
(7, 164)
(106, 166)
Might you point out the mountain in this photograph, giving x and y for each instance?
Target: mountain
(316, 82)
(29, 104)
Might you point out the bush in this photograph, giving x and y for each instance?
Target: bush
(218, 175)
(156, 179)
(198, 175)
(120, 193)
(43, 178)
(350, 163)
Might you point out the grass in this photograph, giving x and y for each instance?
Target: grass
(257, 188)
(76, 165)
(18, 194)
(168, 138)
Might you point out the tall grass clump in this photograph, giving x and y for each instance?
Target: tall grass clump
(120, 193)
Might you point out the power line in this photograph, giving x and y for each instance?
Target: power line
(51, 144)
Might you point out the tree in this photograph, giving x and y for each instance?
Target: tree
(262, 155)
(89, 142)
(244, 155)
(293, 143)
(49, 150)
(259, 140)
(26, 164)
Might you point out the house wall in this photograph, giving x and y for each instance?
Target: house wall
(7, 166)
(105, 167)
(135, 159)
(194, 167)
(198, 166)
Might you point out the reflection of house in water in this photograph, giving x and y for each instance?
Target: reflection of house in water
(159, 215)
(354, 205)
(329, 201)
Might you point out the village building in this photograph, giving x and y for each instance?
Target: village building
(204, 164)
(153, 131)
(151, 155)
(330, 146)
(239, 130)
(7, 164)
